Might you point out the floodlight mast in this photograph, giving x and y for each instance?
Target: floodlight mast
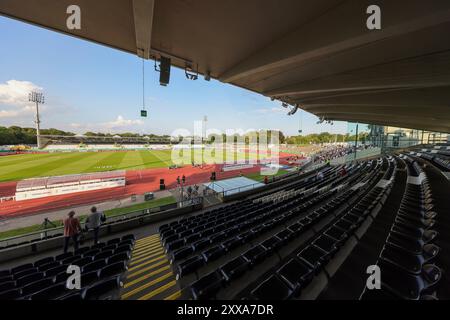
(37, 98)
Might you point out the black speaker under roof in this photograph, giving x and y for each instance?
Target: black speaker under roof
(164, 75)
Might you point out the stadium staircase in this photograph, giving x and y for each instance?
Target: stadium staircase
(149, 275)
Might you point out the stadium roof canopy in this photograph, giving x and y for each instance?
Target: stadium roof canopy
(318, 54)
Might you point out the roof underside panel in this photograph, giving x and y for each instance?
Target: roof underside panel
(317, 54)
(107, 22)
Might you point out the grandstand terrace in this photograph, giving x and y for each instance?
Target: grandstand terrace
(52, 142)
(359, 221)
(296, 239)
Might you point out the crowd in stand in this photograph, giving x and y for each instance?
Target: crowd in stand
(331, 152)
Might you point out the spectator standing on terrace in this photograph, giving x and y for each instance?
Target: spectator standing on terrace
(94, 221)
(178, 181)
(72, 229)
(183, 179)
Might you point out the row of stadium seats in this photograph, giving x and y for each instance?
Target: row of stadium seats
(277, 215)
(408, 255)
(101, 267)
(195, 236)
(294, 273)
(439, 156)
(441, 161)
(172, 233)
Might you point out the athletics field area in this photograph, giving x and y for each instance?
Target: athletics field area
(143, 169)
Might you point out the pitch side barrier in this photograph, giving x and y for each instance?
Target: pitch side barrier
(49, 239)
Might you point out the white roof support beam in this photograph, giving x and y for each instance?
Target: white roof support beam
(143, 11)
(340, 29)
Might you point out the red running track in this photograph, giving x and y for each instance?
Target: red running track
(138, 182)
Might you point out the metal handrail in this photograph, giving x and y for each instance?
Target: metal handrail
(44, 234)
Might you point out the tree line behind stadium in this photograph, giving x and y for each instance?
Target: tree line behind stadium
(15, 135)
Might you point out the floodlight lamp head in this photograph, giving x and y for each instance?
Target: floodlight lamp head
(294, 110)
(189, 72)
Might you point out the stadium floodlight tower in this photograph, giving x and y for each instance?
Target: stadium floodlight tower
(38, 98)
(204, 137)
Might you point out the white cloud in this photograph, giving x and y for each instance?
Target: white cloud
(8, 113)
(14, 98)
(119, 124)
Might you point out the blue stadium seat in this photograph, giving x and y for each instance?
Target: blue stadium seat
(207, 286)
(234, 268)
(70, 259)
(232, 243)
(190, 265)
(50, 293)
(102, 289)
(29, 278)
(10, 294)
(24, 273)
(271, 289)
(94, 266)
(82, 262)
(56, 270)
(22, 267)
(296, 274)
(213, 253)
(124, 256)
(255, 254)
(181, 253)
(43, 261)
(114, 269)
(9, 285)
(200, 244)
(37, 286)
(49, 266)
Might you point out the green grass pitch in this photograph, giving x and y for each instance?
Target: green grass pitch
(19, 167)
(24, 166)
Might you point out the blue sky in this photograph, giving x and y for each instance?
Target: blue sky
(91, 87)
